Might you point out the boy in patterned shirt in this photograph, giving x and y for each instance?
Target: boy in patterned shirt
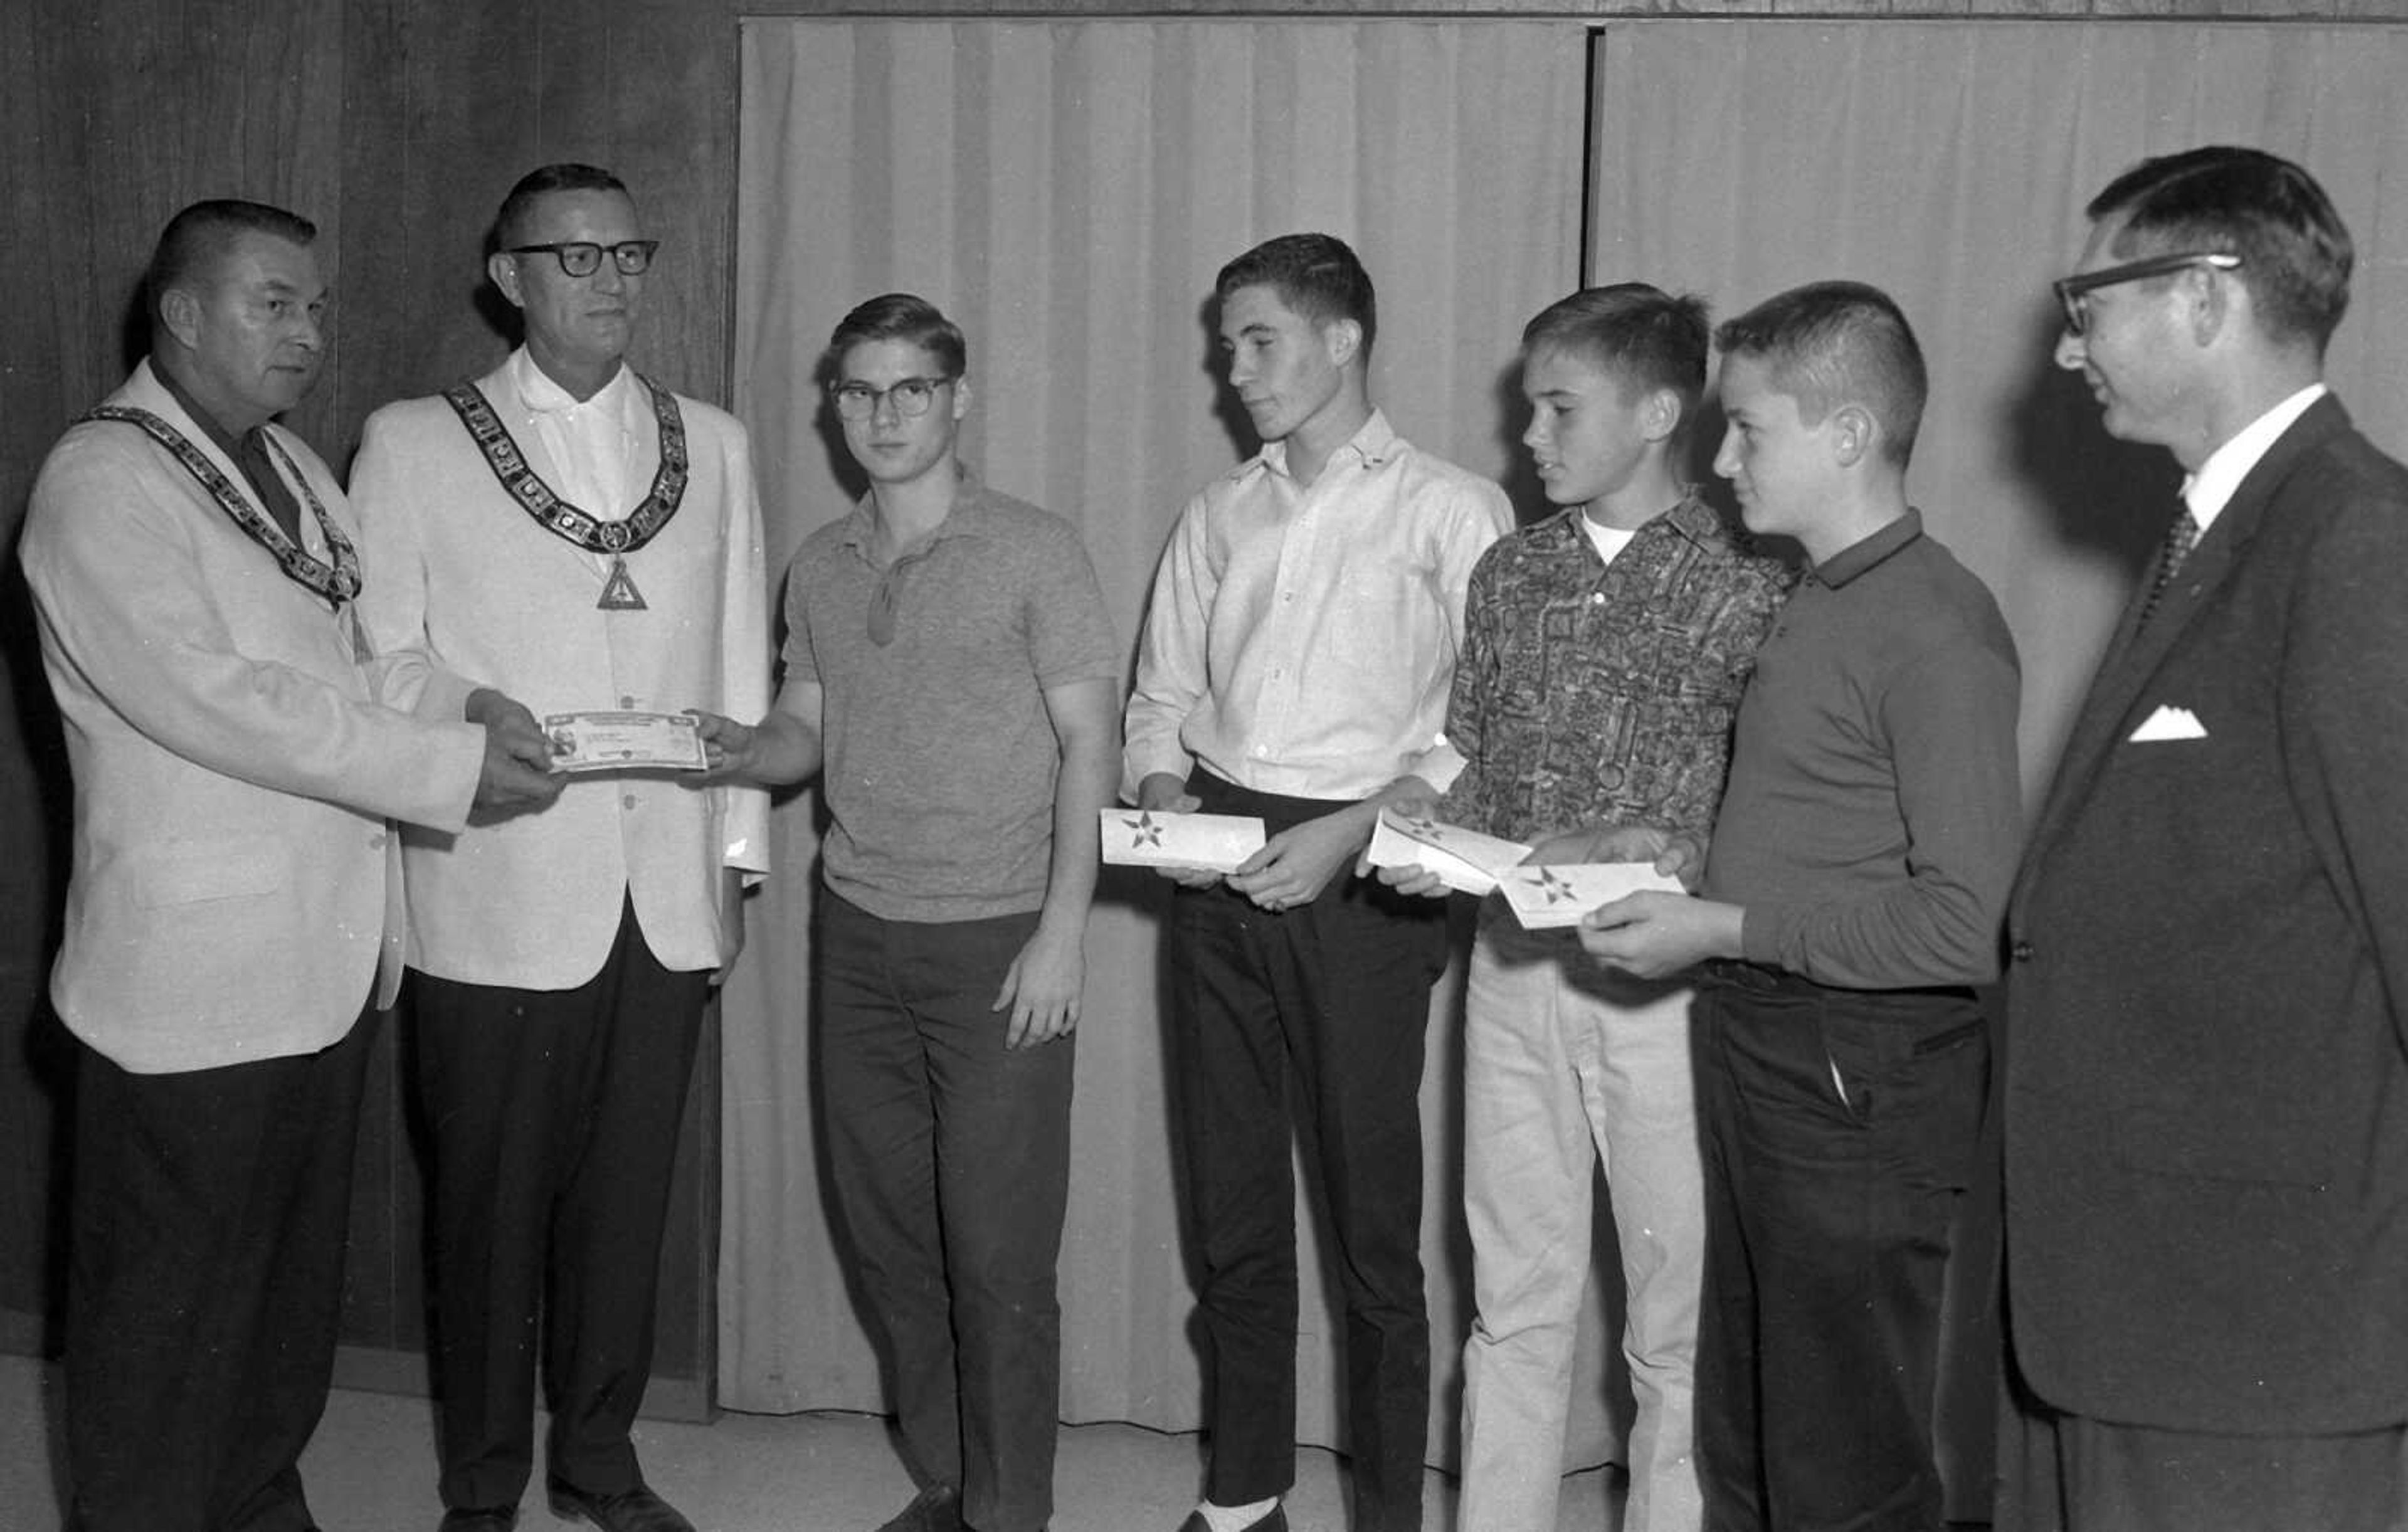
(1605, 650)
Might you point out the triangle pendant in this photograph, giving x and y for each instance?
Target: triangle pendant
(618, 594)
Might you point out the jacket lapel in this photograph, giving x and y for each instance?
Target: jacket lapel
(2134, 658)
(142, 390)
(501, 388)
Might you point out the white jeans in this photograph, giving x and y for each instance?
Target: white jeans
(1566, 1064)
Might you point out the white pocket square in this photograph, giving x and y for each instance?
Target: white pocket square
(2170, 724)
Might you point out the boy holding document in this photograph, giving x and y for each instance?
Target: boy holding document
(1605, 650)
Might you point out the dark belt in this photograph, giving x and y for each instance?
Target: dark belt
(1217, 795)
(1760, 979)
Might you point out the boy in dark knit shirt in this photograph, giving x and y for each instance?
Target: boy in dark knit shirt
(1851, 900)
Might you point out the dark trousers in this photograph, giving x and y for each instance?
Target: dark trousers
(1336, 995)
(208, 1215)
(951, 1159)
(553, 1115)
(1838, 1133)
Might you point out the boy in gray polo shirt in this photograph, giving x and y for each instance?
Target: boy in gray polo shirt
(951, 674)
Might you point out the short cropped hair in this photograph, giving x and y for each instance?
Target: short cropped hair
(199, 237)
(1316, 274)
(898, 315)
(509, 224)
(1637, 332)
(2295, 254)
(1836, 343)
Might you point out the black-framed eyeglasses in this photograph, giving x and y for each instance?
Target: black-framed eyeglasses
(583, 257)
(2073, 293)
(912, 396)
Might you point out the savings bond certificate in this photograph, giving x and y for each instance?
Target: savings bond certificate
(623, 741)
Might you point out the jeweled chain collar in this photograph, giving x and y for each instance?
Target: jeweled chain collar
(556, 515)
(335, 583)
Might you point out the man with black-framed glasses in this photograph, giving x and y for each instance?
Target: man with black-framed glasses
(574, 533)
(2207, 1051)
(953, 680)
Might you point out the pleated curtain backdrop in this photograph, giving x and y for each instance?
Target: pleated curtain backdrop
(1066, 190)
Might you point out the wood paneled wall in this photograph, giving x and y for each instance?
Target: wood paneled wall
(397, 125)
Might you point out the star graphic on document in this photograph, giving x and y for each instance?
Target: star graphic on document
(1148, 831)
(1554, 888)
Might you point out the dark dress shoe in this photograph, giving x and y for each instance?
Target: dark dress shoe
(489, 1519)
(935, 1508)
(1273, 1520)
(637, 1509)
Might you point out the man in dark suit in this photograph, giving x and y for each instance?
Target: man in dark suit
(2207, 1053)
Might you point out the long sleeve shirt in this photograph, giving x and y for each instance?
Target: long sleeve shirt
(1597, 692)
(1873, 816)
(1303, 638)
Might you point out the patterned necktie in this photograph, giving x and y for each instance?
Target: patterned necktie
(2181, 538)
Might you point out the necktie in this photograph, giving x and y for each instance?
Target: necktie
(2181, 538)
(267, 484)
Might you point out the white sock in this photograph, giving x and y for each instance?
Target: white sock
(1235, 1518)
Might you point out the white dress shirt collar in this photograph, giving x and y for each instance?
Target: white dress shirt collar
(2208, 491)
(1371, 442)
(543, 394)
(592, 443)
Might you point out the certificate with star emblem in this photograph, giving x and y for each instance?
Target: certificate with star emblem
(1149, 838)
(623, 741)
(1464, 860)
(1546, 897)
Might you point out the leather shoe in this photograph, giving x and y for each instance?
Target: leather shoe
(489, 1518)
(1273, 1520)
(637, 1509)
(935, 1508)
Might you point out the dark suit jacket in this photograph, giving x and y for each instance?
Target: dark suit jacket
(2207, 1047)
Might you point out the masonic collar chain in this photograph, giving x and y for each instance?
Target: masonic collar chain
(335, 583)
(564, 521)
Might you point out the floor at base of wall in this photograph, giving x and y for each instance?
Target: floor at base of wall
(370, 1468)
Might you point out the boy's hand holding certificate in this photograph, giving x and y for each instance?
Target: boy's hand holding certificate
(1558, 893)
(623, 741)
(1151, 837)
(1463, 860)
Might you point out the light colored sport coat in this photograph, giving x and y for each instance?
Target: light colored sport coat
(534, 901)
(233, 883)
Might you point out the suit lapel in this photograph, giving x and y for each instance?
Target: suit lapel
(143, 390)
(501, 387)
(2134, 658)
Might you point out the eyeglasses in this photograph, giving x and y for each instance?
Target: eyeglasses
(912, 396)
(2073, 293)
(583, 258)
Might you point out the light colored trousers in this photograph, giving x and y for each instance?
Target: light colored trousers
(1567, 1064)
